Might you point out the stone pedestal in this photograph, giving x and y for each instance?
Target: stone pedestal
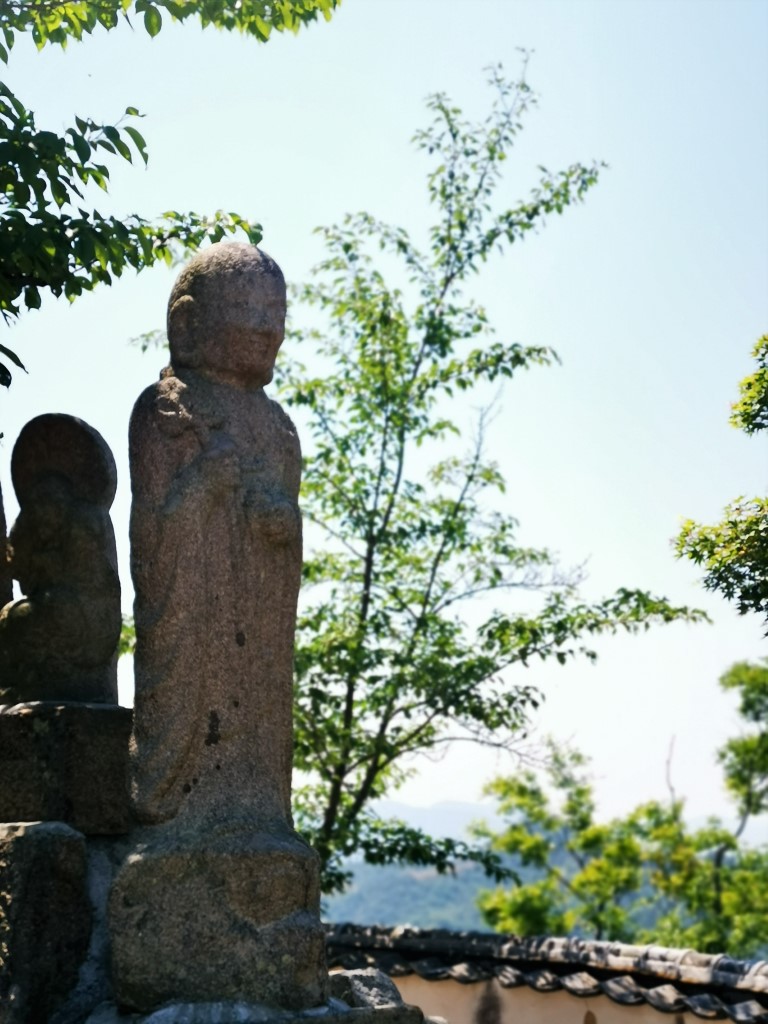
(219, 915)
(250, 1013)
(45, 918)
(66, 762)
(63, 767)
(358, 997)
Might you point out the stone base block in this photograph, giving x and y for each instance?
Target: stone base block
(248, 1013)
(45, 918)
(223, 916)
(367, 997)
(66, 762)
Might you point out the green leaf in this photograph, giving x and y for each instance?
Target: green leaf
(139, 142)
(82, 147)
(13, 357)
(153, 20)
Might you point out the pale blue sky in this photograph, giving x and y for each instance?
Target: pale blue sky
(653, 292)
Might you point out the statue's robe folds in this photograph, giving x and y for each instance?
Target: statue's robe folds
(58, 642)
(216, 565)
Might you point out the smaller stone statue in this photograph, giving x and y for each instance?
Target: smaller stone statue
(59, 641)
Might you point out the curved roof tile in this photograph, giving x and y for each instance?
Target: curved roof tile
(712, 987)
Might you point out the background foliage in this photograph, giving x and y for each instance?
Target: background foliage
(734, 552)
(646, 877)
(52, 236)
(387, 663)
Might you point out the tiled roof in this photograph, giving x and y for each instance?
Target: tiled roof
(671, 980)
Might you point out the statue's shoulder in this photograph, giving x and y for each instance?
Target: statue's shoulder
(166, 404)
(280, 417)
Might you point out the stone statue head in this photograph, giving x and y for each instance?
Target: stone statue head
(226, 314)
(69, 450)
(61, 468)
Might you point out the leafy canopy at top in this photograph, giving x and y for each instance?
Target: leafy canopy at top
(52, 237)
(52, 22)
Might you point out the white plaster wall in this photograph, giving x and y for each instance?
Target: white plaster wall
(458, 1004)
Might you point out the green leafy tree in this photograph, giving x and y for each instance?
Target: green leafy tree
(646, 877)
(750, 412)
(52, 239)
(50, 21)
(386, 664)
(734, 552)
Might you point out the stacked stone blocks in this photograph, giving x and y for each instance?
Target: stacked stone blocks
(149, 868)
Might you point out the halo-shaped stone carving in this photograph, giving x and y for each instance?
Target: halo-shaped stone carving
(63, 444)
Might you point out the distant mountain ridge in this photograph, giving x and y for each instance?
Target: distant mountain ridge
(445, 818)
(403, 894)
(418, 896)
(396, 895)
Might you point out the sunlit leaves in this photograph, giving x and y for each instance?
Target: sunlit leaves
(51, 239)
(745, 758)
(734, 552)
(750, 412)
(386, 664)
(564, 628)
(469, 166)
(644, 877)
(127, 643)
(50, 22)
(153, 19)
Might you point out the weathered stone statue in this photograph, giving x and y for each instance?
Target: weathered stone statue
(58, 642)
(63, 739)
(220, 897)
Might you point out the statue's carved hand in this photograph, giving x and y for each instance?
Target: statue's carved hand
(276, 519)
(220, 464)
